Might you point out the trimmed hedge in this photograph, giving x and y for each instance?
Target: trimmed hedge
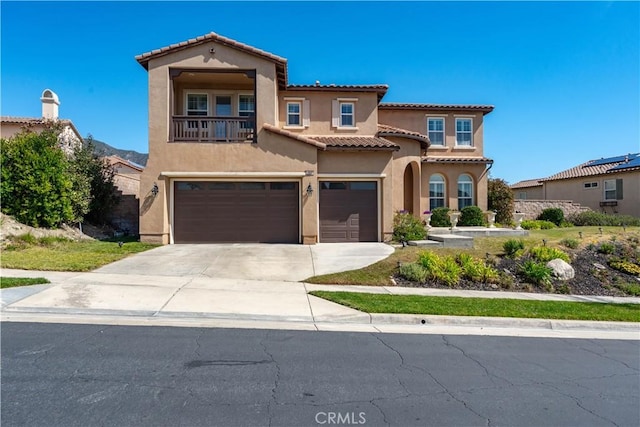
(471, 216)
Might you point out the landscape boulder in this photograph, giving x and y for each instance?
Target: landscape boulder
(561, 269)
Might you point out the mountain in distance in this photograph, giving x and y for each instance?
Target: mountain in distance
(104, 149)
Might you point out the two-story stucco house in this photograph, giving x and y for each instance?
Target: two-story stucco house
(237, 154)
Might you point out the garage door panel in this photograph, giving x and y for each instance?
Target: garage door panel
(226, 212)
(348, 211)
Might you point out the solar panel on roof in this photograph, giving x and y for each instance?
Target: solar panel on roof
(608, 160)
(630, 164)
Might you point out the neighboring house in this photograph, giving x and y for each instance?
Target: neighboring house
(69, 137)
(237, 154)
(609, 185)
(529, 189)
(125, 215)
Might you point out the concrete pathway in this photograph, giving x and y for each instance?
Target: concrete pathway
(98, 297)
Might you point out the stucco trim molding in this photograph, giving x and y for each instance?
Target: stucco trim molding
(172, 174)
(300, 138)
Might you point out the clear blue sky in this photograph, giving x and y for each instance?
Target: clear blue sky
(564, 77)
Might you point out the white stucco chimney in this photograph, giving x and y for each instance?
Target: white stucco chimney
(50, 104)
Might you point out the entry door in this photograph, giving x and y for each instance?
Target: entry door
(223, 108)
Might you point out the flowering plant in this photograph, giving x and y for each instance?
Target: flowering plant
(427, 212)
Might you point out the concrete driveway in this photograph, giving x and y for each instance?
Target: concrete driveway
(250, 261)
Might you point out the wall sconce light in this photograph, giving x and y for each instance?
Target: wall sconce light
(155, 189)
(309, 190)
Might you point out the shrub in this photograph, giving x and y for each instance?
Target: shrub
(470, 216)
(529, 224)
(512, 246)
(546, 254)
(407, 227)
(500, 200)
(629, 288)
(570, 243)
(536, 273)
(606, 248)
(591, 218)
(554, 215)
(546, 225)
(625, 267)
(440, 217)
(449, 271)
(414, 272)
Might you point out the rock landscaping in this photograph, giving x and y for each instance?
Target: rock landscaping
(608, 268)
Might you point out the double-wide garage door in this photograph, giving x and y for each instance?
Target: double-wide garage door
(224, 212)
(348, 211)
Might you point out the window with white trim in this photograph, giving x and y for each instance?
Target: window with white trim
(294, 113)
(197, 104)
(464, 129)
(435, 129)
(465, 191)
(247, 108)
(613, 189)
(347, 114)
(590, 185)
(436, 191)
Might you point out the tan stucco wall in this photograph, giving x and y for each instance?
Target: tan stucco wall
(408, 155)
(573, 189)
(530, 193)
(7, 130)
(320, 106)
(272, 154)
(363, 163)
(451, 172)
(416, 120)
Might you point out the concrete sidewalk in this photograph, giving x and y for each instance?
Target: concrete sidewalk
(183, 301)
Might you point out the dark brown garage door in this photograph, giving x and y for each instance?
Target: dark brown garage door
(227, 212)
(348, 211)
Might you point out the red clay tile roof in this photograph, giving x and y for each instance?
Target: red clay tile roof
(386, 130)
(115, 159)
(486, 109)
(598, 167)
(297, 137)
(356, 143)
(30, 121)
(527, 183)
(381, 89)
(281, 63)
(457, 160)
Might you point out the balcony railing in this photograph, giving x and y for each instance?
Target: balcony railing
(213, 129)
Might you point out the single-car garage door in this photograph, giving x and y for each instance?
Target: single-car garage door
(348, 211)
(229, 212)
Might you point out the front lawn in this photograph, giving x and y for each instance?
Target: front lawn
(58, 254)
(12, 282)
(484, 307)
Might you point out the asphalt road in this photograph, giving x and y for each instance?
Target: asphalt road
(86, 375)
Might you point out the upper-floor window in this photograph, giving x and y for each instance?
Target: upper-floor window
(435, 126)
(197, 104)
(347, 110)
(246, 105)
(591, 184)
(294, 113)
(613, 189)
(343, 113)
(465, 191)
(464, 132)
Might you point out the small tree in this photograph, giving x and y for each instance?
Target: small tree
(500, 200)
(98, 174)
(36, 187)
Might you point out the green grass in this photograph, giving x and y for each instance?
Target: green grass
(379, 274)
(66, 255)
(12, 282)
(484, 307)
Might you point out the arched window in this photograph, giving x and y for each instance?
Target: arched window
(465, 191)
(436, 191)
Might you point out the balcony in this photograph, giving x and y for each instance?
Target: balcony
(213, 129)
